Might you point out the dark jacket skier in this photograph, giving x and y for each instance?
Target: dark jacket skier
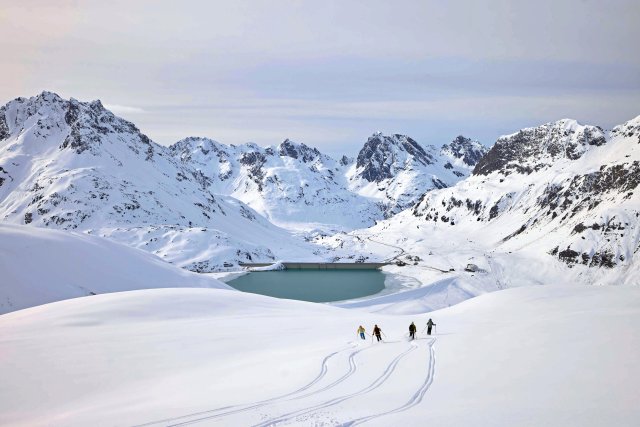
(412, 331)
(430, 324)
(377, 331)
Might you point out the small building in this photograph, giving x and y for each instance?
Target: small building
(472, 268)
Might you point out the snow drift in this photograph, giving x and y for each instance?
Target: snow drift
(40, 266)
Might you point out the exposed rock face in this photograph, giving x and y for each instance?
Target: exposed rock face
(4, 128)
(397, 170)
(379, 159)
(344, 161)
(468, 151)
(533, 149)
(289, 148)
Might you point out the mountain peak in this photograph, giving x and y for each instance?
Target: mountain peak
(382, 155)
(47, 96)
(296, 150)
(532, 149)
(464, 149)
(72, 124)
(628, 129)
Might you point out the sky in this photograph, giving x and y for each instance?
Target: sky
(329, 73)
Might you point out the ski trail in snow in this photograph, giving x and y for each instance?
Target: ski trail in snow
(415, 399)
(497, 272)
(374, 385)
(234, 409)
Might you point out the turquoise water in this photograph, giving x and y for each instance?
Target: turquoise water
(312, 285)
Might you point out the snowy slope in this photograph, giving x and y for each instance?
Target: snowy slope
(397, 170)
(290, 184)
(531, 214)
(42, 266)
(74, 165)
(560, 188)
(216, 357)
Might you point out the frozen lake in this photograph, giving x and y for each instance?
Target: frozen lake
(312, 285)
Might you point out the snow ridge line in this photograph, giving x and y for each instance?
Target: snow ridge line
(415, 399)
(374, 385)
(234, 409)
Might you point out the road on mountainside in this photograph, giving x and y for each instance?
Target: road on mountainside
(402, 252)
(348, 380)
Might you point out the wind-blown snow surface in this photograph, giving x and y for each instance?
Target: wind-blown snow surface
(41, 266)
(532, 356)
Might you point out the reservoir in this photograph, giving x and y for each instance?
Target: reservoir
(314, 285)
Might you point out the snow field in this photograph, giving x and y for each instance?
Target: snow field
(40, 266)
(529, 356)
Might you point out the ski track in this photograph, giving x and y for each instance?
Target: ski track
(496, 271)
(299, 393)
(374, 385)
(414, 400)
(234, 409)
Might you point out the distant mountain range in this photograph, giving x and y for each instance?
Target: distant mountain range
(201, 204)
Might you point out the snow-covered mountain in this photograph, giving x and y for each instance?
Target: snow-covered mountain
(297, 186)
(74, 165)
(562, 191)
(290, 184)
(533, 149)
(396, 170)
(555, 205)
(567, 185)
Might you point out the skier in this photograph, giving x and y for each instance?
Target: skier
(377, 331)
(361, 331)
(412, 331)
(430, 324)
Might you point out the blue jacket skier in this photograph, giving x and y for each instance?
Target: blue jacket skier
(361, 331)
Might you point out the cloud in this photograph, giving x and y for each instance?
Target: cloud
(329, 73)
(124, 109)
